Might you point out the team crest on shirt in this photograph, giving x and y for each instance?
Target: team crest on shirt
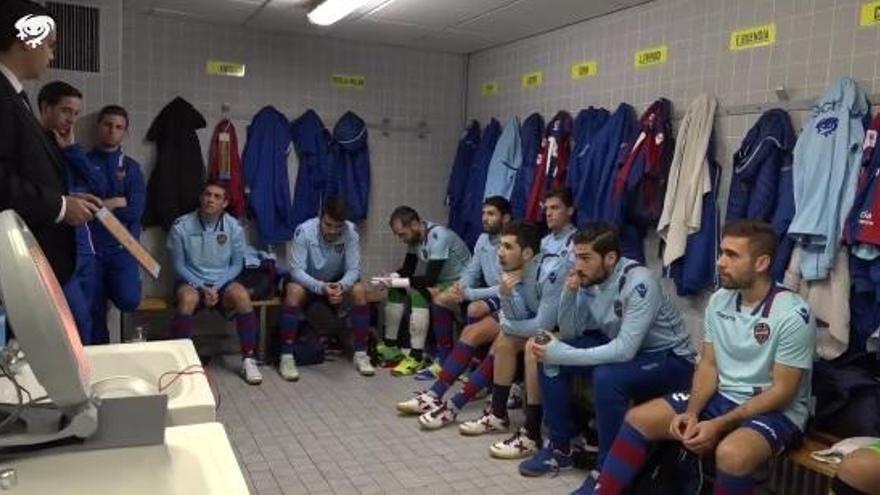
(642, 290)
(221, 239)
(552, 277)
(762, 332)
(339, 248)
(805, 314)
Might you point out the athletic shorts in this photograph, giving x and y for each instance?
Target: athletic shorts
(226, 313)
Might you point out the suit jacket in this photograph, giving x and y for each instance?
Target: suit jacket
(32, 180)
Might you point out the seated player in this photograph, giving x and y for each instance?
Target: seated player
(617, 327)
(207, 248)
(479, 285)
(859, 473)
(558, 214)
(325, 264)
(444, 256)
(750, 393)
(530, 289)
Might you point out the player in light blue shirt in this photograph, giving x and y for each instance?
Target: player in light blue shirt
(616, 327)
(478, 286)
(444, 257)
(207, 249)
(558, 213)
(325, 264)
(748, 401)
(530, 290)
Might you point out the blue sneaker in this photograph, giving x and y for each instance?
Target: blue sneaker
(547, 460)
(590, 485)
(428, 373)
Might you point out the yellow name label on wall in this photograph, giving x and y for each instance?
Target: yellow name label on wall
(584, 69)
(651, 56)
(348, 81)
(218, 68)
(532, 79)
(489, 88)
(753, 37)
(870, 14)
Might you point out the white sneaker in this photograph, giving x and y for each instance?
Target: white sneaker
(488, 423)
(519, 446)
(438, 418)
(287, 368)
(250, 372)
(363, 365)
(420, 404)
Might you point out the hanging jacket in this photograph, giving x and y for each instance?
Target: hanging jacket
(592, 197)
(637, 197)
(312, 143)
(695, 270)
(224, 164)
(551, 164)
(505, 163)
(265, 169)
(179, 173)
(586, 125)
(689, 179)
(862, 231)
(530, 136)
(350, 169)
(458, 176)
(826, 162)
(476, 184)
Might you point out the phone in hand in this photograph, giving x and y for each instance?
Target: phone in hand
(543, 339)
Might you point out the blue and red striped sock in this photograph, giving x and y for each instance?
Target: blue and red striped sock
(247, 333)
(441, 322)
(182, 326)
(360, 327)
(624, 461)
(477, 380)
(454, 365)
(289, 322)
(728, 484)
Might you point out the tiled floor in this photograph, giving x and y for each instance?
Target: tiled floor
(334, 431)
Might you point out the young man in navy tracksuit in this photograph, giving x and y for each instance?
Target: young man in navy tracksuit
(117, 276)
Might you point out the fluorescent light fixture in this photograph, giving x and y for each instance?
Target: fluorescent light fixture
(331, 11)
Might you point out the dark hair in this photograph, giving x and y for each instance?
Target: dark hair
(334, 208)
(561, 193)
(500, 203)
(10, 12)
(602, 237)
(222, 184)
(113, 110)
(761, 236)
(527, 234)
(405, 215)
(52, 93)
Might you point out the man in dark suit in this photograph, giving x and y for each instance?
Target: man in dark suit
(32, 177)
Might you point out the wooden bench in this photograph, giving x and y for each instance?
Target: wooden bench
(158, 304)
(797, 473)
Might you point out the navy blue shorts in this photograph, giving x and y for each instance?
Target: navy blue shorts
(226, 313)
(775, 427)
(494, 304)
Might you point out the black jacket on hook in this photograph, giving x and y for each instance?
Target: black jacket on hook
(179, 172)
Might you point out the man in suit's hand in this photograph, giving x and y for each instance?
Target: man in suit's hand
(81, 208)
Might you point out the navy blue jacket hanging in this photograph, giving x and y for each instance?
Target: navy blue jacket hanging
(350, 170)
(587, 124)
(311, 140)
(265, 171)
(458, 177)
(476, 183)
(530, 134)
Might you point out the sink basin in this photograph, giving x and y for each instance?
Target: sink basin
(196, 459)
(190, 400)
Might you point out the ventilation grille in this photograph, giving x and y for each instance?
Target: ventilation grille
(78, 45)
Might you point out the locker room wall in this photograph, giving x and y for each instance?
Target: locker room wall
(817, 41)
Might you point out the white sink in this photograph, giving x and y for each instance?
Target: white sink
(196, 459)
(190, 400)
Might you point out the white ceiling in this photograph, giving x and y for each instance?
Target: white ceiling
(458, 26)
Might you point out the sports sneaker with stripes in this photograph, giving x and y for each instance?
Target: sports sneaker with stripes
(518, 446)
(420, 404)
(487, 423)
(548, 460)
(438, 418)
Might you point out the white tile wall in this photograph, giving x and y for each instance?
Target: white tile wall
(817, 42)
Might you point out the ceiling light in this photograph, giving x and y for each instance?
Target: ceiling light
(331, 11)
